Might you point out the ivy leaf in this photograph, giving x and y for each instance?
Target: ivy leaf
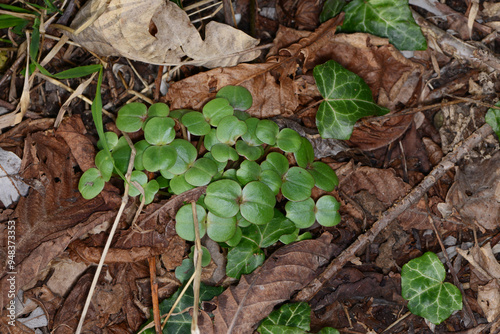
(347, 99)
(493, 119)
(290, 318)
(385, 18)
(331, 8)
(422, 285)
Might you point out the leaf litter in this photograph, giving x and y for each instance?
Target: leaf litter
(384, 159)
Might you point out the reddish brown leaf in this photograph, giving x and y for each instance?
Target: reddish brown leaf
(241, 308)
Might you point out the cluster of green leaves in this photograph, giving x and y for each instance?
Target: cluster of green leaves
(391, 19)
(492, 117)
(422, 285)
(244, 168)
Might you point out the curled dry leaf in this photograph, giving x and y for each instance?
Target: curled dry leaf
(158, 32)
(241, 308)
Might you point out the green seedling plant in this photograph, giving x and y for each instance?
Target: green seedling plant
(242, 161)
(422, 285)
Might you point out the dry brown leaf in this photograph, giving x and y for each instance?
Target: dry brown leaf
(476, 193)
(53, 214)
(241, 308)
(158, 32)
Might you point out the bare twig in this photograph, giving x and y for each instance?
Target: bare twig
(398, 208)
(154, 293)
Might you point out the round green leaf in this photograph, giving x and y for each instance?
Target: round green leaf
(271, 179)
(104, 163)
(276, 162)
(230, 129)
(297, 184)
(305, 155)
(222, 198)
(327, 209)
(248, 151)
(178, 113)
(220, 229)
(211, 139)
(163, 182)
(91, 183)
(205, 256)
(236, 238)
(158, 110)
(257, 203)
(324, 176)
(230, 174)
(178, 184)
(249, 171)
(186, 155)
(301, 213)
(220, 165)
(196, 123)
(422, 285)
(140, 147)
(131, 116)
(201, 172)
(242, 222)
(223, 153)
(239, 97)
(111, 139)
(155, 158)
(241, 115)
(140, 178)
(150, 191)
(159, 130)
(121, 156)
(267, 131)
(184, 223)
(166, 174)
(216, 110)
(289, 140)
(250, 137)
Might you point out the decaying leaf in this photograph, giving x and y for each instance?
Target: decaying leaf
(240, 308)
(476, 193)
(158, 32)
(54, 213)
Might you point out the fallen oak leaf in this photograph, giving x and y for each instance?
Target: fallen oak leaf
(158, 32)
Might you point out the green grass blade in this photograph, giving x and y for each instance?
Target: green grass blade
(77, 72)
(7, 21)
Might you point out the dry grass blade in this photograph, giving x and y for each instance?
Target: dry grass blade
(110, 237)
(197, 265)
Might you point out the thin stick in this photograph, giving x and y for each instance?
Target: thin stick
(467, 310)
(396, 322)
(197, 265)
(398, 208)
(154, 293)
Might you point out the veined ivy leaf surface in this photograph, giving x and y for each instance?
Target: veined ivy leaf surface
(385, 18)
(290, 318)
(422, 285)
(347, 99)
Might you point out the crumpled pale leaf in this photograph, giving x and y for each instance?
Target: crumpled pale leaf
(158, 32)
(12, 187)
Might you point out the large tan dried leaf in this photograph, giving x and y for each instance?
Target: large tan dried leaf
(241, 308)
(158, 32)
